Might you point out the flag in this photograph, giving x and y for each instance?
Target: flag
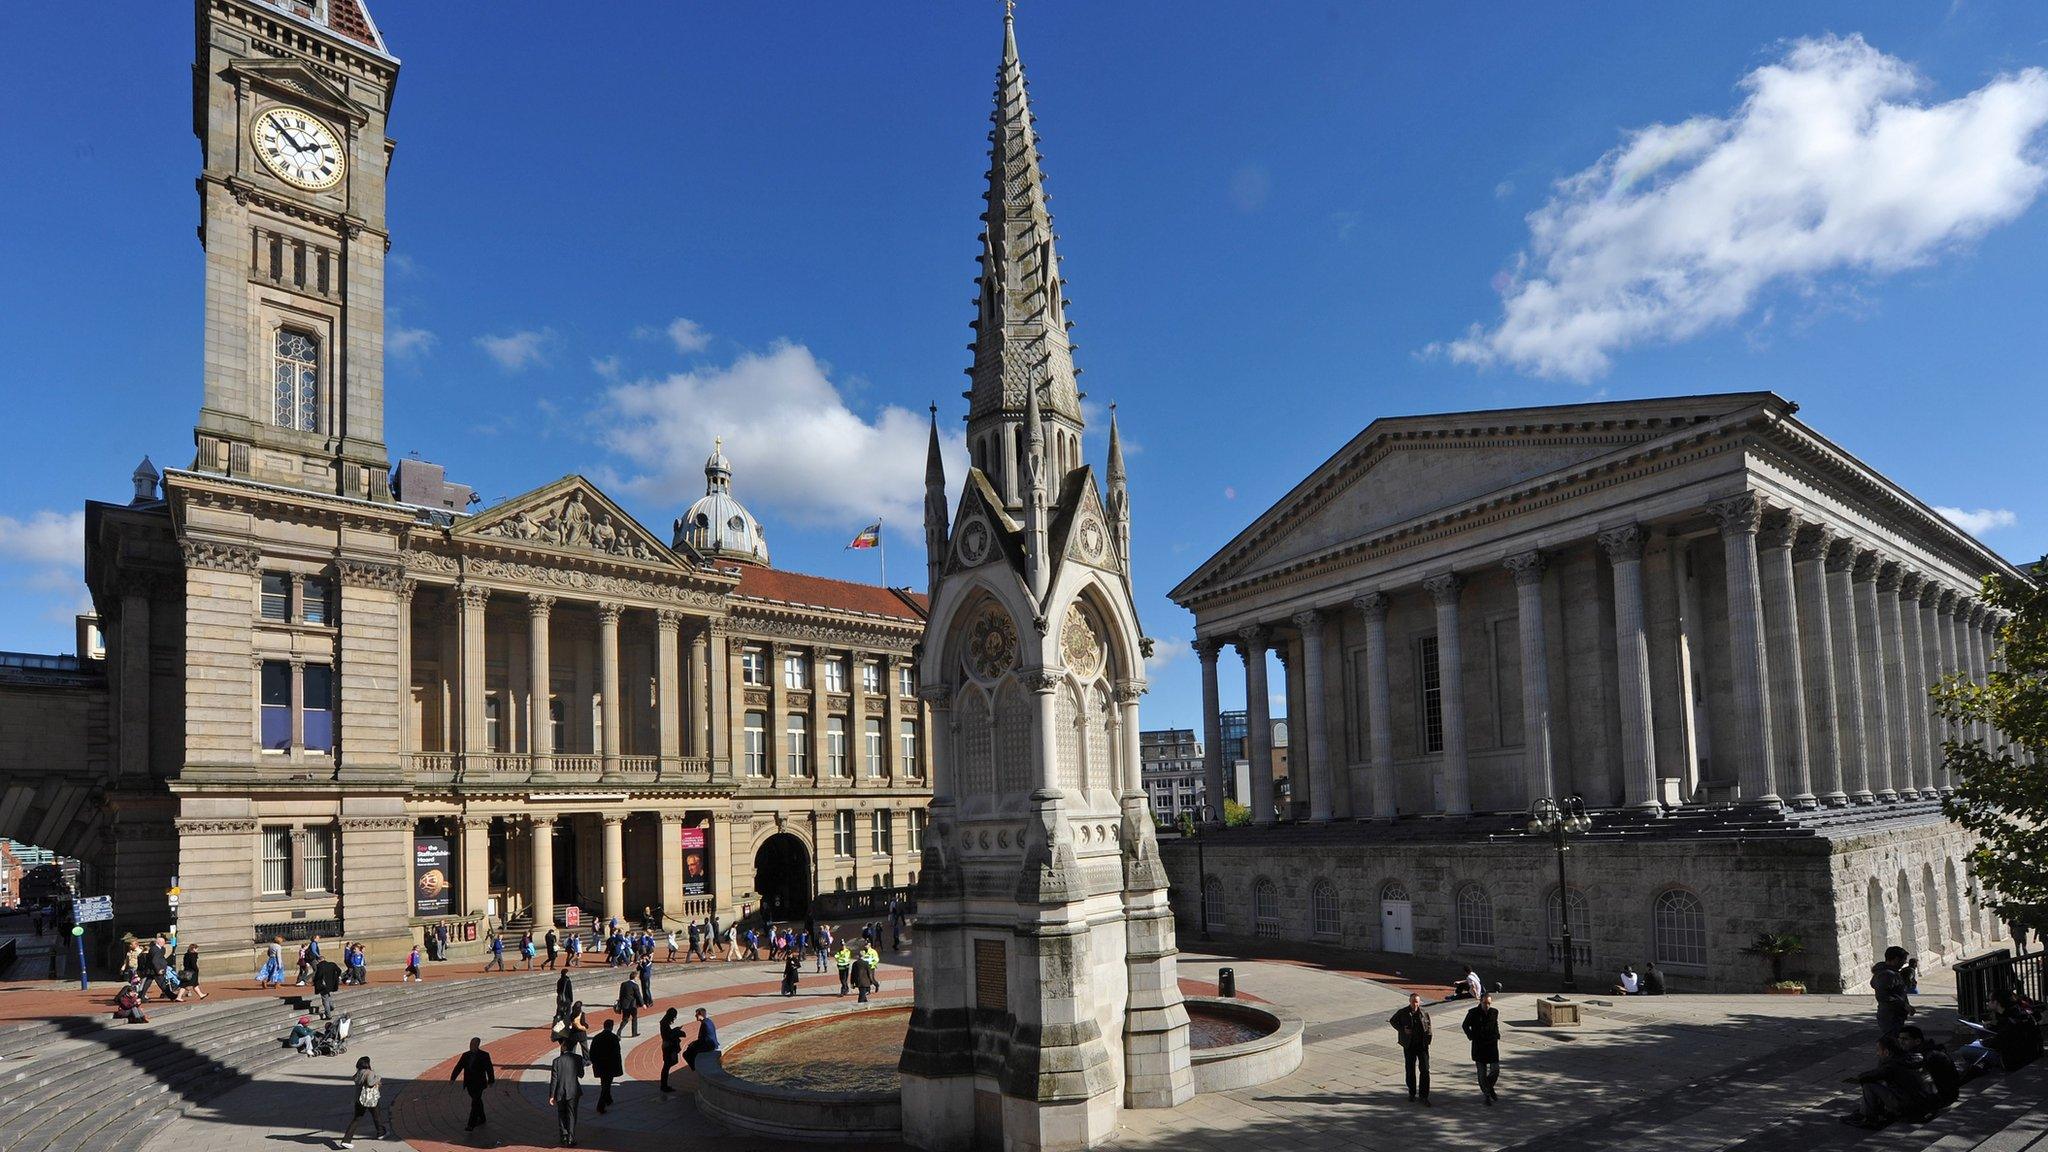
(870, 537)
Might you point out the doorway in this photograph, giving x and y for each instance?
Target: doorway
(1397, 920)
(782, 876)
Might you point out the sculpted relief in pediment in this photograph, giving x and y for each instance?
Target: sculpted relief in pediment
(573, 522)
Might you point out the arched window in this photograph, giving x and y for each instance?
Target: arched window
(1475, 917)
(1678, 929)
(1212, 901)
(1393, 890)
(1322, 903)
(1581, 922)
(1266, 909)
(1955, 903)
(295, 381)
(1932, 896)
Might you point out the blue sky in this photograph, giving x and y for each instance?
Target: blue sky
(1278, 222)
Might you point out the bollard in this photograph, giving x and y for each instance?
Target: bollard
(1226, 983)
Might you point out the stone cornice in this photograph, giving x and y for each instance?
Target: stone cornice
(376, 823)
(209, 827)
(219, 557)
(832, 631)
(577, 582)
(227, 493)
(369, 574)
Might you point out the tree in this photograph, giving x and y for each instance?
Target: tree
(1775, 946)
(2000, 785)
(1235, 815)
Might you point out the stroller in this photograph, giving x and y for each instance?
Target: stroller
(333, 1039)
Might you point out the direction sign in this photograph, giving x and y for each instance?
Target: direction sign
(92, 909)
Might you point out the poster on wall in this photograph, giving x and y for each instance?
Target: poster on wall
(433, 889)
(696, 863)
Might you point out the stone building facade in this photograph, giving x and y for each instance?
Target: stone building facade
(1170, 764)
(331, 705)
(1693, 612)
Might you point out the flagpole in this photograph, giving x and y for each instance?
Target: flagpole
(882, 551)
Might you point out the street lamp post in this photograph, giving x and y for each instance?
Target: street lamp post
(1558, 818)
(1202, 866)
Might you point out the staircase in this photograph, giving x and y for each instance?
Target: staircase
(73, 1084)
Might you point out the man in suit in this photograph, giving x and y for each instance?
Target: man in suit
(629, 1005)
(706, 1041)
(1412, 1026)
(565, 1091)
(326, 982)
(1482, 1028)
(475, 1071)
(607, 1063)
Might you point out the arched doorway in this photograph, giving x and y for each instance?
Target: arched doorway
(782, 875)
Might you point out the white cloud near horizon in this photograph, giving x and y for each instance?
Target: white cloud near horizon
(407, 343)
(798, 450)
(517, 350)
(1978, 521)
(46, 539)
(1166, 651)
(1830, 165)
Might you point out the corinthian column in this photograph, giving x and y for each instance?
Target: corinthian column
(1322, 790)
(1934, 600)
(1918, 707)
(1787, 675)
(1378, 704)
(1740, 518)
(1258, 736)
(1213, 767)
(1624, 548)
(1953, 663)
(1816, 663)
(1536, 774)
(1873, 653)
(1846, 666)
(1450, 676)
(540, 722)
(473, 599)
(1973, 637)
(1898, 692)
(608, 683)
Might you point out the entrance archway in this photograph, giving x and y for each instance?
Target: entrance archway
(782, 875)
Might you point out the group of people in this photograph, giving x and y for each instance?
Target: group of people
(153, 963)
(1415, 1030)
(1916, 1076)
(602, 1054)
(1650, 982)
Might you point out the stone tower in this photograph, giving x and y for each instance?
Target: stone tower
(290, 99)
(1046, 990)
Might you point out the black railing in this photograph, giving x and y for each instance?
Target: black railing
(293, 930)
(864, 903)
(1980, 979)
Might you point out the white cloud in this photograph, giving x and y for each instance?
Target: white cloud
(1980, 521)
(1504, 189)
(1249, 187)
(1829, 165)
(1229, 493)
(407, 343)
(796, 447)
(1165, 651)
(688, 335)
(608, 367)
(45, 539)
(517, 350)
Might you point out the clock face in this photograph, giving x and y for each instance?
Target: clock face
(301, 150)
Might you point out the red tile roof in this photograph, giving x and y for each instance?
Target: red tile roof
(348, 18)
(795, 588)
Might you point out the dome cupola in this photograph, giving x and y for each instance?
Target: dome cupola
(718, 526)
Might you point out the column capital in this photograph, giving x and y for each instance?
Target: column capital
(1867, 564)
(1889, 574)
(1206, 647)
(1945, 602)
(1041, 680)
(1127, 691)
(1373, 604)
(1252, 638)
(611, 818)
(1811, 541)
(539, 604)
(1527, 567)
(1444, 588)
(1841, 553)
(609, 611)
(1308, 620)
(477, 821)
(1739, 515)
(1931, 592)
(473, 595)
(1974, 611)
(936, 695)
(675, 817)
(668, 619)
(1776, 528)
(1910, 583)
(1623, 543)
(540, 822)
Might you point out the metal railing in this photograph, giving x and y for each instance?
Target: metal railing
(1980, 979)
(517, 768)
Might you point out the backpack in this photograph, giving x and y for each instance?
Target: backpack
(367, 1096)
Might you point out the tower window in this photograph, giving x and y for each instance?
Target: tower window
(295, 381)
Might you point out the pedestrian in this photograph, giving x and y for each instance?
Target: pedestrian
(671, 946)
(271, 975)
(629, 1005)
(369, 1088)
(1482, 1028)
(1653, 979)
(497, 953)
(565, 1091)
(732, 944)
(554, 946)
(671, 1046)
(706, 1041)
(1888, 983)
(326, 982)
(526, 950)
(476, 1072)
(565, 995)
(574, 1029)
(864, 971)
(412, 967)
(792, 969)
(695, 937)
(824, 943)
(647, 977)
(843, 959)
(575, 950)
(606, 1063)
(1412, 1026)
(192, 971)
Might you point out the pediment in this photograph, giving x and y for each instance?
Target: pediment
(983, 532)
(293, 81)
(571, 516)
(1081, 531)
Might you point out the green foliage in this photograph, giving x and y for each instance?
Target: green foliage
(1235, 815)
(1186, 824)
(2001, 792)
(1775, 946)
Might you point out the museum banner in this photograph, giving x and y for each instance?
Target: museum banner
(433, 893)
(696, 862)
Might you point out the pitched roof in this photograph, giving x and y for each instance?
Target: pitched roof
(348, 19)
(799, 590)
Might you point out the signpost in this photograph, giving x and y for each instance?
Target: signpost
(87, 910)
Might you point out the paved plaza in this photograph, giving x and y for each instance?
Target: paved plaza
(1691, 1072)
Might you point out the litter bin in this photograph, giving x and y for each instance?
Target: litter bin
(1226, 983)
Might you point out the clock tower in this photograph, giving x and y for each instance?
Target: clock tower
(289, 103)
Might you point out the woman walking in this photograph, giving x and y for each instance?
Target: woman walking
(192, 971)
(271, 975)
(369, 1089)
(671, 1046)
